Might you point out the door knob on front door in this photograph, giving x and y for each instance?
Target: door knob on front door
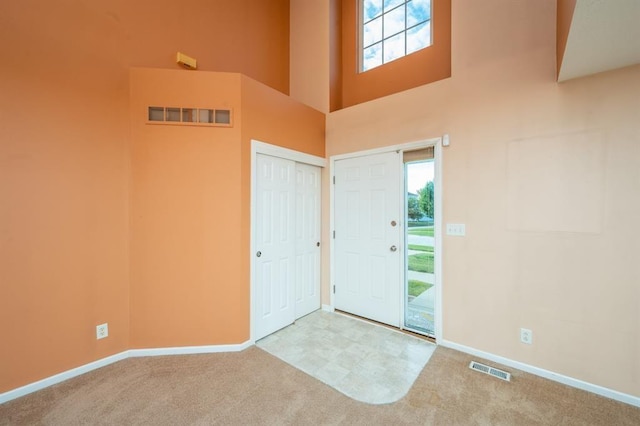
(393, 248)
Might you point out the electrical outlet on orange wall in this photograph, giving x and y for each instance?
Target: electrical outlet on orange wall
(102, 331)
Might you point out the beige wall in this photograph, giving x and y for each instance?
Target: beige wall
(546, 178)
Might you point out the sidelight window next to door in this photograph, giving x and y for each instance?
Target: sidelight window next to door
(419, 314)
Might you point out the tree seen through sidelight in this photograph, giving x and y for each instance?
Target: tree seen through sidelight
(420, 208)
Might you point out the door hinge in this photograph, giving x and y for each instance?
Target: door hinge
(334, 180)
(334, 289)
(334, 235)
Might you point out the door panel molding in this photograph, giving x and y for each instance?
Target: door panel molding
(307, 239)
(260, 147)
(410, 146)
(275, 239)
(367, 189)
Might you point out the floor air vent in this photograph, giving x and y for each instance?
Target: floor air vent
(503, 375)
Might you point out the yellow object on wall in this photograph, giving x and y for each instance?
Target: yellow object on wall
(186, 61)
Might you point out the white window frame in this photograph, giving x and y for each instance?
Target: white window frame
(361, 24)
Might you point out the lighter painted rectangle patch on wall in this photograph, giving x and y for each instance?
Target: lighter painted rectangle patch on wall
(556, 183)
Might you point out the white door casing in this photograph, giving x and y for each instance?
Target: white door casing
(368, 255)
(307, 235)
(274, 244)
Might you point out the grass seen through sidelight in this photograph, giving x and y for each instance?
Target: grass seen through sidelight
(422, 231)
(416, 288)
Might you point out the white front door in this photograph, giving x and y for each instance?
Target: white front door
(307, 231)
(274, 244)
(367, 241)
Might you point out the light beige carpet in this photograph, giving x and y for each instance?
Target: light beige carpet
(254, 387)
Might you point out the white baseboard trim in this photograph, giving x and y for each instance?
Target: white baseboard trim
(61, 377)
(132, 353)
(328, 308)
(556, 377)
(189, 350)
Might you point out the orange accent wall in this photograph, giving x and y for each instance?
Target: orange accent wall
(245, 36)
(565, 9)
(186, 286)
(422, 67)
(308, 47)
(65, 191)
(269, 116)
(191, 203)
(335, 55)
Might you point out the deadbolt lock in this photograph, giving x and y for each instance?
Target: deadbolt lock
(393, 223)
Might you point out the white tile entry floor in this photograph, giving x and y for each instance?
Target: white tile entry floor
(365, 361)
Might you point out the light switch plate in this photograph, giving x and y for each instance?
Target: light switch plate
(456, 229)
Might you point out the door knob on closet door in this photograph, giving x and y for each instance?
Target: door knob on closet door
(393, 248)
(259, 254)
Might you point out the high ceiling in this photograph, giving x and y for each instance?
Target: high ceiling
(604, 35)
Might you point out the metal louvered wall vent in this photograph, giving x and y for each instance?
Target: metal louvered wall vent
(502, 375)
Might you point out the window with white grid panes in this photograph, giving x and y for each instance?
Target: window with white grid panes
(391, 29)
